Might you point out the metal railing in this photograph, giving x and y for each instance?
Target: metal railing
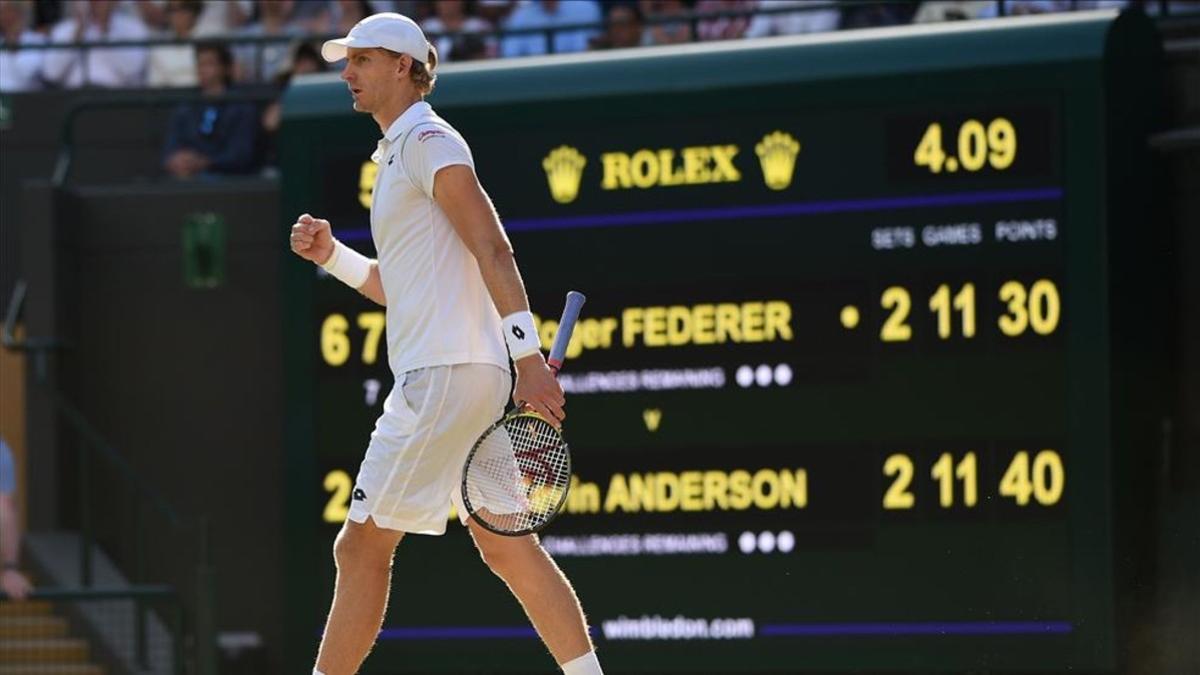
(146, 99)
(693, 18)
(136, 629)
(129, 540)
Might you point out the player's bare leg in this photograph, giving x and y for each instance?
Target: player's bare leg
(363, 553)
(540, 587)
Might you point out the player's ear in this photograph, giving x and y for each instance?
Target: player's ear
(404, 65)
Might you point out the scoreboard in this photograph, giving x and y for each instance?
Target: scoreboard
(852, 389)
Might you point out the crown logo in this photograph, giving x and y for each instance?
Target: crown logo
(777, 154)
(564, 171)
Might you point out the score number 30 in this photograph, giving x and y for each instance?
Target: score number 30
(1037, 307)
(995, 145)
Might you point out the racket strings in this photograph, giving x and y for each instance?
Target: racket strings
(519, 474)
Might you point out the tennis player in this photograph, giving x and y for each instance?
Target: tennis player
(446, 274)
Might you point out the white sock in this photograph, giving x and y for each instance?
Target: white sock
(317, 672)
(587, 664)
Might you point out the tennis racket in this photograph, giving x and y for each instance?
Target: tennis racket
(516, 478)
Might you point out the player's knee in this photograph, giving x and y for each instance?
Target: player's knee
(502, 556)
(354, 548)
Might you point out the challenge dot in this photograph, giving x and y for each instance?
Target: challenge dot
(763, 375)
(747, 542)
(745, 376)
(850, 316)
(783, 374)
(785, 542)
(766, 542)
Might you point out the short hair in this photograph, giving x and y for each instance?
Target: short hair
(223, 55)
(423, 75)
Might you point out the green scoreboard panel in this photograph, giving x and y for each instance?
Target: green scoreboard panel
(845, 393)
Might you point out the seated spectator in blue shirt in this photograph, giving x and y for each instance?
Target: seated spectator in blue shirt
(549, 14)
(211, 136)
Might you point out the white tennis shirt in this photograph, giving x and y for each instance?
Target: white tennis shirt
(439, 311)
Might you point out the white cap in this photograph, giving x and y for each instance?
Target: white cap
(388, 30)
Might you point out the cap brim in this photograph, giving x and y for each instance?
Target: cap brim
(335, 50)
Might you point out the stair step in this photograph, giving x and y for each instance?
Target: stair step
(65, 650)
(50, 669)
(30, 627)
(26, 608)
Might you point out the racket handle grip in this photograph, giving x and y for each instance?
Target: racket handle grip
(566, 326)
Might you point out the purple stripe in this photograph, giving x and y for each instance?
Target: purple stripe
(457, 633)
(918, 628)
(761, 211)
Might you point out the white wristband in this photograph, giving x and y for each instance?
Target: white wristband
(521, 336)
(347, 265)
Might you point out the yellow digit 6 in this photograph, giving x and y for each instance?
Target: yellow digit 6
(335, 346)
(1014, 294)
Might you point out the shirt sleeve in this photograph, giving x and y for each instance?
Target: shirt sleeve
(430, 148)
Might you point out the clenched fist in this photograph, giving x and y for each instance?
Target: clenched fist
(312, 239)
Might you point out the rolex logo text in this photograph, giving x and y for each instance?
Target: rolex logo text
(696, 165)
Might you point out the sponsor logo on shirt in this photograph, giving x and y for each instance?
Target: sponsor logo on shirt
(430, 133)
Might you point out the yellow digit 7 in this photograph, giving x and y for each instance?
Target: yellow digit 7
(373, 323)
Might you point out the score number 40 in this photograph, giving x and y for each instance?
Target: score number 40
(995, 145)
(1037, 307)
(1041, 479)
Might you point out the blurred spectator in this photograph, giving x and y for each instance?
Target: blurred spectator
(262, 62)
(223, 17)
(350, 12)
(175, 65)
(306, 59)
(45, 14)
(623, 27)
(872, 15)
(452, 22)
(1024, 7)
(12, 582)
(95, 21)
(314, 17)
(951, 10)
(723, 28)
(547, 14)
(153, 13)
(670, 33)
(20, 69)
(810, 20)
(495, 11)
(209, 137)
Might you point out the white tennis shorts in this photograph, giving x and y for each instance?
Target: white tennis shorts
(413, 467)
